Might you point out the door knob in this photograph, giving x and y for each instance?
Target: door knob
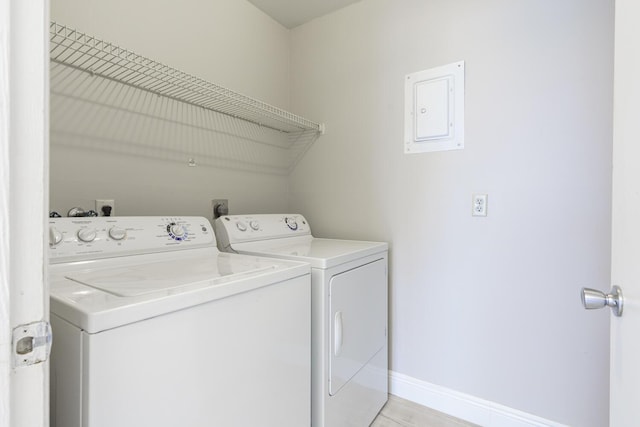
(593, 298)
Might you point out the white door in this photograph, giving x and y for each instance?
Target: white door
(24, 129)
(625, 330)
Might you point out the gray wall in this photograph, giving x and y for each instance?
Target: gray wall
(484, 306)
(141, 159)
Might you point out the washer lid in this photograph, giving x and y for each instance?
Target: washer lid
(158, 276)
(320, 253)
(105, 294)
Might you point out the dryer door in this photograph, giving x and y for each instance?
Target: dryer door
(358, 319)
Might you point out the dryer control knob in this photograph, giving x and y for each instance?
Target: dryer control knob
(117, 233)
(291, 223)
(241, 226)
(87, 234)
(254, 225)
(55, 236)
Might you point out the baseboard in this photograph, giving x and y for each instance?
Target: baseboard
(463, 406)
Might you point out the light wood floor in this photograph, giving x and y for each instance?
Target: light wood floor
(403, 413)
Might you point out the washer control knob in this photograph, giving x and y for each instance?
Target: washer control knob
(177, 230)
(291, 223)
(87, 234)
(117, 233)
(241, 226)
(55, 236)
(255, 225)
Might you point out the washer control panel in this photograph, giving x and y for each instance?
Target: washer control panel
(247, 228)
(76, 239)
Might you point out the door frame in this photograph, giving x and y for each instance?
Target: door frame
(625, 348)
(24, 185)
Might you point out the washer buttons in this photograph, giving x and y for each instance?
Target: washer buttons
(117, 233)
(87, 235)
(55, 236)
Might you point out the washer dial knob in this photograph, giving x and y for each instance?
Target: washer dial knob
(240, 225)
(255, 225)
(117, 233)
(291, 223)
(87, 234)
(176, 231)
(55, 236)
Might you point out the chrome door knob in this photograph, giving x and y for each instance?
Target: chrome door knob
(593, 298)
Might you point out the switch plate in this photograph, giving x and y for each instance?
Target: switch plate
(479, 205)
(105, 202)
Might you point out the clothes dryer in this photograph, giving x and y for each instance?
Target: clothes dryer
(349, 311)
(153, 326)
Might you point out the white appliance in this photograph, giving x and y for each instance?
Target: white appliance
(153, 326)
(349, 382)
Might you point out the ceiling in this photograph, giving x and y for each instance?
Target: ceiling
(292, 13)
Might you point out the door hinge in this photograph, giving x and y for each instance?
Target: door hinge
(31, 343)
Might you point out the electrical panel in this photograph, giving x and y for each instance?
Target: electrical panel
(434, 109)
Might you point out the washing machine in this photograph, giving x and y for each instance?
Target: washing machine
(153, 326)
(349, 311)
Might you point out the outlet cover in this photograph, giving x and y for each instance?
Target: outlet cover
(220, 207)
(479, 205)
(106, 202)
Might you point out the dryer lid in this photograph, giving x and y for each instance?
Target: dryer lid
(319, 252)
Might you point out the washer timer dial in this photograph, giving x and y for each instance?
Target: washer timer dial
(291, 223)
(176, 231)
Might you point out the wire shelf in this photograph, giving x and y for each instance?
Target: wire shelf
(97, 57)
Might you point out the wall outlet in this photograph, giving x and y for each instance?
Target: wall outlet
(106, 207)
(220, 207)
(479, 205)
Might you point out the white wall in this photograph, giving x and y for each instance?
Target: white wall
(485, 306)
(227, 42)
